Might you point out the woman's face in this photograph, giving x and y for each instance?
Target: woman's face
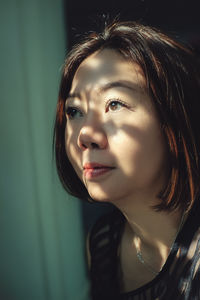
(113, 137)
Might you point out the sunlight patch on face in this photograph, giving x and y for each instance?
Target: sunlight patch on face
(134, 146)
(95, 73)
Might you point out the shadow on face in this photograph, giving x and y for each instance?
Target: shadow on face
(111, 121)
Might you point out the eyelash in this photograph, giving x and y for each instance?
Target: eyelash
(71, 111)
(116, 100)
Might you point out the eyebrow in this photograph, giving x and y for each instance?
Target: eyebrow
(73, 95)
(120, 83)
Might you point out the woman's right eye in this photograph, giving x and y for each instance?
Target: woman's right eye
(73, 113)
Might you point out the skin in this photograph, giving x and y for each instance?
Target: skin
(128, 138)
(118, 126)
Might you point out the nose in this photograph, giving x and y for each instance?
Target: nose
(92, 135)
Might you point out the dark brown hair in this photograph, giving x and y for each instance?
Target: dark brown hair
(172, 77)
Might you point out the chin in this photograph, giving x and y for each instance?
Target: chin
(100, 198)
(99, 195)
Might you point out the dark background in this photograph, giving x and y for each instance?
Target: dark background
(179, 18)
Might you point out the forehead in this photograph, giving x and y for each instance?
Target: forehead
(103, 67)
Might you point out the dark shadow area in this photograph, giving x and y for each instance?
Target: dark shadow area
(177, 17)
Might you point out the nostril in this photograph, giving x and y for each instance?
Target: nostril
(89, 145)
(83, 146)
(94, 145)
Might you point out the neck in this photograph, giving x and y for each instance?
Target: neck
(152, 232)
(153, 228)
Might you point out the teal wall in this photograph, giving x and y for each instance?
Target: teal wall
(41, 238)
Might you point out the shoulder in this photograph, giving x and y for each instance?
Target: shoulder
(103, 243)
(103, 239)
(189, 257)
(193, 261)
(106, 228)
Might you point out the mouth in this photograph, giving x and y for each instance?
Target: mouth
(93, 170)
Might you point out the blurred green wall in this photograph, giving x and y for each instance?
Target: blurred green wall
(41, 240)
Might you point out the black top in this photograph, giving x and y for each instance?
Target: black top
(178, 279)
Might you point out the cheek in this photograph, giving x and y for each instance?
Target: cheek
(68, 142)
(152, 159)
(71, 149)
(139, 148)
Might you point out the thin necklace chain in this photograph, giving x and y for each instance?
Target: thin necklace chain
(146, 264)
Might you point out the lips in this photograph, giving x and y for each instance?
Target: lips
(92, 170)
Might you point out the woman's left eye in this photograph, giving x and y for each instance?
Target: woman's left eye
(115, 105)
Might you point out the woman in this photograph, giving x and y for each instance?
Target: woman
(126, 132)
